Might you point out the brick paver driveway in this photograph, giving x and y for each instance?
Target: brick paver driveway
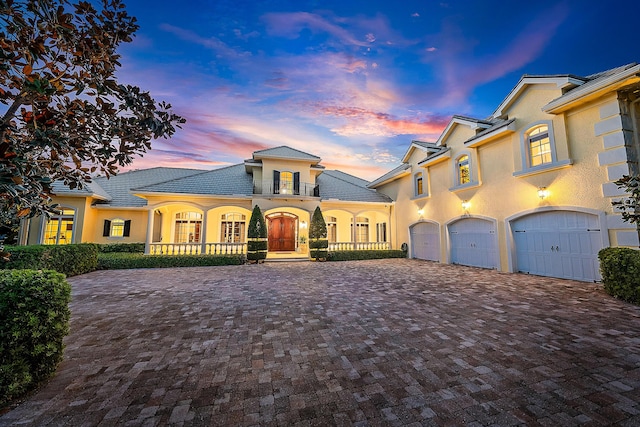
(393, 342)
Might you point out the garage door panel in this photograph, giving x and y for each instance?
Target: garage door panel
(566, 244)
(473, 242)
(425, 240)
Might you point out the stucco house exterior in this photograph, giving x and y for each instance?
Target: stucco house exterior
(188, 211)
(528, 189)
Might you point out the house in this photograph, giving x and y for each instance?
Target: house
(528, 189)
(188, 211)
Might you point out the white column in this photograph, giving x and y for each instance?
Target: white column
(150, 218)
(203, 236)
(353, 231)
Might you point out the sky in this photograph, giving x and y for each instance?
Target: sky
(353, 82)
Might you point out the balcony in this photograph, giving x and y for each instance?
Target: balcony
(286, 188)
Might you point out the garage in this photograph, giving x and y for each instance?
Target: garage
(473, 242)
(561, 244)
(425, 241)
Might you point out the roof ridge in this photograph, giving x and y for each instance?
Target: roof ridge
(202, 172)
(344, 180)
(290, 148)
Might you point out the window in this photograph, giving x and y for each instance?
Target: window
(362, 229)
(539, 146)
(464, 175)
(188, 227)
(332, 228)
(59, 228)
(419, 185)
(286, 182)
(232, 228)
(381, 232)
(116, 228)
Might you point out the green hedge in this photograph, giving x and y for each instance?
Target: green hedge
(119, 261)
(620, 269)
(318, 248)
(137, 248)
(361, 255)
(34, 319)
(256, 249)
(70, 260)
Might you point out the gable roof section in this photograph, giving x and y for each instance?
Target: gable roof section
(418, 145)
(334, 186)
(349, 178)
(227, 181)
(499, 128)
(461, 120)
(284, 152)
(402, 170)
(119, 186)
(90, 189)
(596, 85)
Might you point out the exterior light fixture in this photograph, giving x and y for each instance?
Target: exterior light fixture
(543, 193)
(303, 224)
(466, 205)
(420, 212)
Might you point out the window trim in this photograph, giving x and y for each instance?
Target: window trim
(189, 221)
(242, 229)
(333, 221)
(59, 218)
(473, 172)
(421, 175)
(525, 151)
(107, 229)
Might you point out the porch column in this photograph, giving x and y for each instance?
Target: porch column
(203, 236)
(353, 233)
(150, 218)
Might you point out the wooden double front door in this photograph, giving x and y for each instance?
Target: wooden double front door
(282, 232)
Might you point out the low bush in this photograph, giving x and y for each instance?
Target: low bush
(119, 261)
(362, 255)
(34, 319)
(70, 260)
(620, 269)
(257, 249)
(137, 248)
(318, 248)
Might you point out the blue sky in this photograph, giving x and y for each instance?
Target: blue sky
(352, 81)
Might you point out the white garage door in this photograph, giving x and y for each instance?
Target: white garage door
(473, 242)
(562, 244)
(425, 241)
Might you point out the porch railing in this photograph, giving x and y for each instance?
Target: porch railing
(266, 187)
(196, 248)
(359, 246)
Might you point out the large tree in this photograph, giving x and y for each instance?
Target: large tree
(63, 114)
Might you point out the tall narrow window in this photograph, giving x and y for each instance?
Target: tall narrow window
(419, 185)
(464, 175)
(233, 228)
(539, 146)
(117, 228)
(332, 228)
(362, 229)
(59, 228)
(381, 232)
(286, 183)
(188, 227)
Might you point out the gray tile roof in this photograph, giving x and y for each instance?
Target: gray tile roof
(333, 185)
(91, 189)
(119, 186)
(284, 152)
(230, 180)
(350, 178)
(497, 124)
(392, 173)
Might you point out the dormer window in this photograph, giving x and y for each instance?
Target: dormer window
(538, 150)
(464, 175)
(419, 184)
(539, 146)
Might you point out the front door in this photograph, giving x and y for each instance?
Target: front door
(282, 232)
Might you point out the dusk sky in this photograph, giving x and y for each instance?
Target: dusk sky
(352, 81)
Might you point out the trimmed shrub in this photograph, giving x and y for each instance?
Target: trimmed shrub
(120, 261)
(318, 242)
(362, 255)
(70, 260)
(256, 236)
(34, 319)
(620, 269)
(137, 248)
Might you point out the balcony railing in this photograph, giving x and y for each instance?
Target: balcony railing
(359, 246)
(196, 248)
(267, 187)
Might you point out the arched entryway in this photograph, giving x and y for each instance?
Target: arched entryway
(282, 228)
(425, 241)
(472, 241)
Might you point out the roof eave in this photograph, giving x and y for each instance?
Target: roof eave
(496, 133)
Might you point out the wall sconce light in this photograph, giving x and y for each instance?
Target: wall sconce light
(420, 212)
(466, 205)
(303, 224)
(543, 193)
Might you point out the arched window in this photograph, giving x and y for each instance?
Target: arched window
(463, 170)
(232, 228)
(116, 228)
(362, 229)
(59, 228)
(539, 146)
(188, 227)
(332, 228)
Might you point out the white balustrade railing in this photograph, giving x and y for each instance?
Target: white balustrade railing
(196, 248)
(359, 246)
